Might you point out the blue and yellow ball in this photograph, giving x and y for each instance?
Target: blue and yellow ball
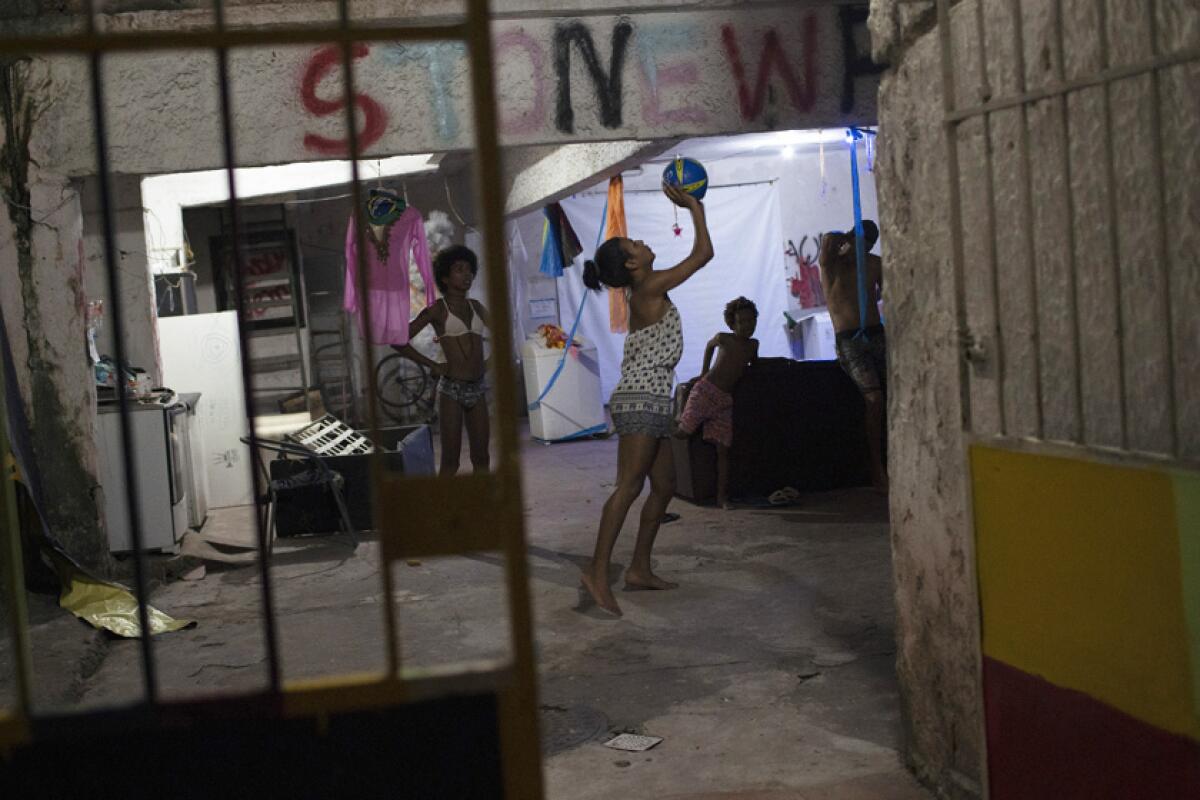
(689, 175)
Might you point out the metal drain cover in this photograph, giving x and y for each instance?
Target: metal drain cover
(564, 728)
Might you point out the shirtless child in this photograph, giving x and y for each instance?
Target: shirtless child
(711, 400)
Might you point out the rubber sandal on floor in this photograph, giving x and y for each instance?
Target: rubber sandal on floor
(784, 497)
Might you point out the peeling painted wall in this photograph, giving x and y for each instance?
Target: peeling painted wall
(51, 252)
(562, 80)
(1084, 304)
(42, 289)
(1091, 652)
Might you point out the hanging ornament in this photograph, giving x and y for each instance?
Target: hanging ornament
(678, 230)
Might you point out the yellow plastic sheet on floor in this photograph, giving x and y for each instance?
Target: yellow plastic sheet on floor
(109, 606)
(103, 605)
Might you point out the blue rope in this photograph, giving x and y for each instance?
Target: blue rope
(860, 255)
(536, 404)
(562, 362)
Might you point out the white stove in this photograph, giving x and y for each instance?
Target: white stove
(157, 430)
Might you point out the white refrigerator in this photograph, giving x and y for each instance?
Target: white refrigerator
(201, 353)
(573, 407)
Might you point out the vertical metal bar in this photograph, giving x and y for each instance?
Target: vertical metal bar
(118, 327)
(270, 633)
(14, 574)
(391, 637)
(519, 723)
(1027, 216)
(989, 190)
(1160, 208)
(950, 132)
(1114, 236)
(1072, 265)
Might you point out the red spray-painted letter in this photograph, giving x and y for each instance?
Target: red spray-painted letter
(374, 123)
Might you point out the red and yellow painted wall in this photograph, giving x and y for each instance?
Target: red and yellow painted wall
(1089, 582)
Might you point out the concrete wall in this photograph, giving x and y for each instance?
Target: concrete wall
(640, 76)
(42, 291)
(1079, 298)
(43, 295)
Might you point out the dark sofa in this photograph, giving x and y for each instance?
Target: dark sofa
(795, 423)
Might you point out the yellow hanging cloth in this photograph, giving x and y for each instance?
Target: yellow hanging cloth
(618, 299)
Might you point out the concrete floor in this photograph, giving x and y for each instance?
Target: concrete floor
(768, 673)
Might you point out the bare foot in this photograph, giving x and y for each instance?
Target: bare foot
(648, 580)
(602, 595)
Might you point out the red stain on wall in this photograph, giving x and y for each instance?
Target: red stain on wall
(801, 93)
(321, 63)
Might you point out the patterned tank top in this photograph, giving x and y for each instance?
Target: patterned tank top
(648, 368)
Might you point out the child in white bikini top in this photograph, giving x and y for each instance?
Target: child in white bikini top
(456, 327)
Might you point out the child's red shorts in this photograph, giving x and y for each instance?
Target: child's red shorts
(711, 407)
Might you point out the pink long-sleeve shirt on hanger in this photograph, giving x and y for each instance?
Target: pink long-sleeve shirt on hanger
(387, 281)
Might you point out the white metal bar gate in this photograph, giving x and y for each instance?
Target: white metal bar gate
(416, 517)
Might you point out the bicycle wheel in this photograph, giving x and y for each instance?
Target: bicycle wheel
(401, 386)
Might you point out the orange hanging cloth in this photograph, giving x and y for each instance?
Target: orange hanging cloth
(614, 225)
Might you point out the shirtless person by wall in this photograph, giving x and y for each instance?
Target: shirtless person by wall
(861, 342)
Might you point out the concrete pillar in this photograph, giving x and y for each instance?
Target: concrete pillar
(43, 296)
(42, 288)
(937, 609)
